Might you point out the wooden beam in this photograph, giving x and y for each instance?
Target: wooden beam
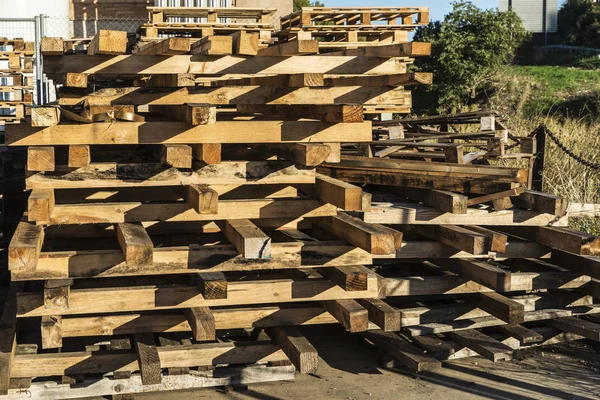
(202, 323)
(405, 79)
(212, 285)
(168, 132)
(382, 314)
(79, 156)
(351, 278)
(486, 346)
(305, 154)
(543, 202)
(208, 153)
(411, 49)
(325, 113)
(498, 241)
(25, 247)
(375, 239)
(569, 240)
(587, 329)
(40, 158)
(8, 338)
(524, 335)
(248, 239)
(213, 45)
(299, 80)
(202, 199)
(40, 205)
(108, 42)
(57, 293)
(499, 196)
(456, 237)
(165, 47)
(478, 271)
(176, 155)
(245, 43)
(442, 200)
(351, 315)
(339, 193)
(192, 114)
(298, 349)
(45, 116)
(135, 243)
(502, 307)
(75, 80)
(407, 354)
(148, 359)
(52, 46)
(587, 265)
(291, 48)
(51, 332)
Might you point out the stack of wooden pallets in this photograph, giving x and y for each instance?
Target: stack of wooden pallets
(203, 192)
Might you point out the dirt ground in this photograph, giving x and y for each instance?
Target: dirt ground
(348, 370)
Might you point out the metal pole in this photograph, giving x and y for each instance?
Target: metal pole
(38, 60)
(544, 22)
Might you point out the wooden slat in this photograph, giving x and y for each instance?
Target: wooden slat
(339, 193)
(456, 237)
(202, 323)
(79, 156)
(498, 241)
(524, 335)
(148, 359)
(382, 314)
(325, 113)
(298, 349)
(212, 285)
(443, 200)
(108, 42)
(373, 238)
(481, 272)
(569, 240)
(411, 49)
(25, 247)
(40, 158)
(406, 79)
(44, 116)
(587, 329)
(502, 307)
(299, 80)
(407, 354)
(168, 132)
(248, 239)
(202, 199)
(543, 202)
(486, 346)
(190, 113)
(434, 345)
(40, 204)
(176, 155)
(349, 314)
(305, 154)
(245, 43)
(588, 265)
(208, 153)
(51, 332)
(291, 48)
(136, 245)
(57, 293)
(351, 278)
(165, 47)
(213, 45)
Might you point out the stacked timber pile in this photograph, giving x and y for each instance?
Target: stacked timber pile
(16, 86)
(179, 206)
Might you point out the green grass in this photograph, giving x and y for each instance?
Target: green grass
(561, 91)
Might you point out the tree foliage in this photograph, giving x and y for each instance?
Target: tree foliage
(298, 4)
(579, 23)
(468, 48)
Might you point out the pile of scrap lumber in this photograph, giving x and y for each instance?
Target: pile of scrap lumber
(185, 220)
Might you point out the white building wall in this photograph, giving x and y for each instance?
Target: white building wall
(531, 13)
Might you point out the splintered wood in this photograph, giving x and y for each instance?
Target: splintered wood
(231, 177)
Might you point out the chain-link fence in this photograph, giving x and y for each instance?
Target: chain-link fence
(67, 28)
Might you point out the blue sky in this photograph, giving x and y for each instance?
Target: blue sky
(438, 8)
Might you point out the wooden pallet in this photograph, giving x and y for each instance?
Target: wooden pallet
(212, 14)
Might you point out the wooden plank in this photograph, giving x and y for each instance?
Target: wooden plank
(40, 204)
(405, 79)
(373, 238)
(327, 113)
(148, 359)
(176, 155)
(588, 265)
(443, 200)
(305, 154)
(192, 114)
(180, 211)
(524, 335)
(57, 293)
(212, 285)
(135, 243)
(52, 46)
(109, 175)
(350, 278)
(457, 237)
(135, 66)
(298, 349)
(351, 315)
(248, 239)
(51, 332)
(8, 339)
(299, 80)
(44, 116)
(79, 156)
(481, 272)
(165, 47)
(498, 241)
(203, 199)
(543, 202)
(502, 307)
(75, 80)
(168, 132)
(181, 260)
(291, 48)
(495, 196)
(202, 323)
(213, 46)
(382, 314)
(25, 247)
(208, 153)
(339, 193)
(411, 49)
(486, 346)
(434, 346)
(40, 158)
(569, 240)
(245, 43)
(587, 329)
(407, 354)
(205, 354)
(108, 42)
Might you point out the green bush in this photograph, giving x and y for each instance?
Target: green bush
(579, 23)
(468, 48)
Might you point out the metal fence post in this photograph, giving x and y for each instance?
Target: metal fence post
(40, 90)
